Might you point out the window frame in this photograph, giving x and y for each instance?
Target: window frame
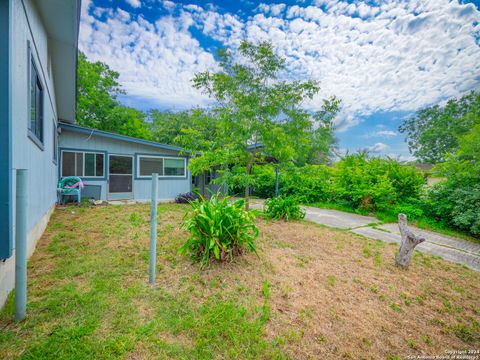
(32, 65)
(163, 157)
(83, 152)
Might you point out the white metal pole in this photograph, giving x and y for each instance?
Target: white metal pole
(153, 228)
(21, 246)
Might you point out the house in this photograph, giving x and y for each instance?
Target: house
(38, 55)
(38, 58)
(119, 167)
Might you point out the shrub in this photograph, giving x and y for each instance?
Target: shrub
(186, 198)
(310, 183)
(286, 208)
(357, 181)
(456, 203)
(220, 229)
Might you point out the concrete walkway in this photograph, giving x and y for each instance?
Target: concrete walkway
(452, 249)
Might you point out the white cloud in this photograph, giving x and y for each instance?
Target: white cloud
(378, 147)
(156, 61)
(134, 3)
(397, 56)
(381, 133)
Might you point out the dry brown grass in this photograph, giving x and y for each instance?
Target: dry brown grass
(332, 294)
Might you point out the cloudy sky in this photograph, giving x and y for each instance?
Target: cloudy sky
(383, 59)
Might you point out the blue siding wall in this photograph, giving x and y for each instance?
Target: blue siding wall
(29, 38)
(6, 237)
(168, 188)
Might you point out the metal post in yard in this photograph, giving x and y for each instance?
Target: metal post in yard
(153, 229)
(21, 246)
(276, 181)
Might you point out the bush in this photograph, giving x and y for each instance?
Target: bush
(219, 229)
(358, 182)
(186, 198)
(286, 208)
(457, 204)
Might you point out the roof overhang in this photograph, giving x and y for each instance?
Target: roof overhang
(62, 20)
(105, 134)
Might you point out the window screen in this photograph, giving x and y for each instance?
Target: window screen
(89, 164)
(99, 164)
(79, 164)
(35, 124)
(148, 166)
(68, 163)
(174, 167)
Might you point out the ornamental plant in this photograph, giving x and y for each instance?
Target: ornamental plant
(220, 229)
(286, 208)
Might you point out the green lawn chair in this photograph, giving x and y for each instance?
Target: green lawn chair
(69, 186)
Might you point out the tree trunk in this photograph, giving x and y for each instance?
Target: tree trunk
(247, 185)
(408, 243)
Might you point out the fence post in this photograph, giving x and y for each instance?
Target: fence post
(153, 229)
(21, 245)
(276, 181)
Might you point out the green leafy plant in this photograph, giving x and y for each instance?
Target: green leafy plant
(219, 229)
(286, 208)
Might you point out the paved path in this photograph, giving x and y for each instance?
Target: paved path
(453, 249)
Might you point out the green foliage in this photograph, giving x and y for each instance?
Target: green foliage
(166, 126)
(456, 201)
(219, 229)
(434, 132)
(97, 104)
(357, 182)
(286, 208)
(254, 106)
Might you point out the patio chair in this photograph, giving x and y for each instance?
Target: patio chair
(69, 186)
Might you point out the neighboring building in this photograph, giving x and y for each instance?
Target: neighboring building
(119, 167)
(38, 55)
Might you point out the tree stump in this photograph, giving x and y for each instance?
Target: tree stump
(408, 243)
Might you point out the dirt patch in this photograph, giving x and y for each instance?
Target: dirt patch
(337, 295)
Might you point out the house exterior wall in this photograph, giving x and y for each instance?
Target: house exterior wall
(168, 187)
(28, 36)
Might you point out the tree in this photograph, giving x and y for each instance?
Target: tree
(253, 106)
(97, 104)
(456, 200)
(433, 132)
(166, 126)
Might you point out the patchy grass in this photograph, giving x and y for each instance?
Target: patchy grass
(311, 293)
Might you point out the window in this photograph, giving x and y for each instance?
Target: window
(55, 142)
(175, 167)
(208, 177)
(150, 165)
(163, 166)
(86, 164)
(35, 124)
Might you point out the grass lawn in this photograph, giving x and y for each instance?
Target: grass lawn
(312, 292)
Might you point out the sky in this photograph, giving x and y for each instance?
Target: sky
(383, 59)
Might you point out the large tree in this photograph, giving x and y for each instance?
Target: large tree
(255, 106)
(433, 132)
(166, 126)
(97, 103)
